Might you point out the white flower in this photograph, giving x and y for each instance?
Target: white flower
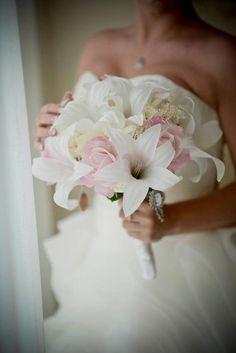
(140, 166)
(58, 167)
(96, 100)
(112, 93)
(151, 99)
(73, 112)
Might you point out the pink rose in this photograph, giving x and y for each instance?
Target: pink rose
(98, 152)
(175, 134)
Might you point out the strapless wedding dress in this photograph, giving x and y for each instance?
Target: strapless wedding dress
(105, 306)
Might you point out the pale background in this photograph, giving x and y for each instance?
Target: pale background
(52, 35)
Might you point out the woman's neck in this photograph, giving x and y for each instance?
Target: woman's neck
(161, 18)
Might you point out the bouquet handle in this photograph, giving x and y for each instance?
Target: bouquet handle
(144, 250)
(146, 259)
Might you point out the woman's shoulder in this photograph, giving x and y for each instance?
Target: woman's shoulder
(213, 54)
(215, 43)
(220, 53)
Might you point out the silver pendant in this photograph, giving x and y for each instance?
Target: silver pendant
(139, 64)
(156, 201)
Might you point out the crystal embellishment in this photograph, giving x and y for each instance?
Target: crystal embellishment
(156, 201)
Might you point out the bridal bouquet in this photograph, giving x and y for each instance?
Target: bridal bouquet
(124, 140)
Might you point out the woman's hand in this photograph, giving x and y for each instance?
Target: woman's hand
(143, 224)
(45, 120)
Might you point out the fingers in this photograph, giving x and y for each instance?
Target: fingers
(134, 215)
(40, 134)
(44, 122)
(143, 224)
(43, 132)
(131, 225)
(51, 108)
(132, 228)
(137, 217)
(144, 209)
(46, 119)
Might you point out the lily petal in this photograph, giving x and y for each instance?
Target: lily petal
(164, 154)
(57, 146)
(208, 134)
(61, 196)
(81, 169)
(220, 167)
(73, 112)
(117, 172)
(159, 178)
(202, 166)
(134, 194)
(122, 142)
(190, 126)
(147, 143)
(50, 170)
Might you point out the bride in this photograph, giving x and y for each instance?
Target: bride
(105, 305)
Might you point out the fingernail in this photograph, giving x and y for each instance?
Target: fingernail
(53, 132)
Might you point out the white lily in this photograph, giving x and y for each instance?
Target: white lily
(73, 112)
(198, 137)
(60, 168)
(141, 165)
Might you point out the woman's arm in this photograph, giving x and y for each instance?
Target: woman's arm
(215, 210)
(218, 209)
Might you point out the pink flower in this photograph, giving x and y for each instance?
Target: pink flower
(175, 134)
(98, 153)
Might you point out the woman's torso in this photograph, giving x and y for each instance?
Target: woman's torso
(185, 58)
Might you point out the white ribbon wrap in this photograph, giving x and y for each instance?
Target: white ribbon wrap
(146, 259)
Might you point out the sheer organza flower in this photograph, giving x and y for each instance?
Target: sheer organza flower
(98, 99)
